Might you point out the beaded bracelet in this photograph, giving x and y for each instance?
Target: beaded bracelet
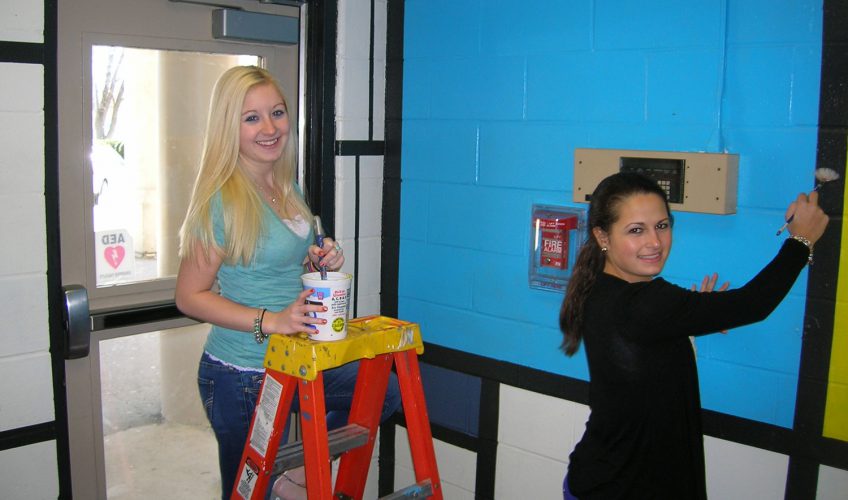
(258, 335)
(807, 243)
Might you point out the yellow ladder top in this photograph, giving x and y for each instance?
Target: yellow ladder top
(367, 337)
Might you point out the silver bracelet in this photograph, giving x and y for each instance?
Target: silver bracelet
(807, 243)
(258, 335)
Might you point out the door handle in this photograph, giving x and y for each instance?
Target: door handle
(77, 322)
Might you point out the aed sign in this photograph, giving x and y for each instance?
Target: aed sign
(114, 254)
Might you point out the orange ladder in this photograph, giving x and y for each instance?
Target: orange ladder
(297, 362)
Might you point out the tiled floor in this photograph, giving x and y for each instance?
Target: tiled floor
(148, 455)
(168, 461)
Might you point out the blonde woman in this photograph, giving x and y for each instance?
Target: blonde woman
(248, 229)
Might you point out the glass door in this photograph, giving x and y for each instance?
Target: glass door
(148, 112)
(134, 86)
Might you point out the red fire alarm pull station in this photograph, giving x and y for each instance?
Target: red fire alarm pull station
(555, 240)
(556, 236)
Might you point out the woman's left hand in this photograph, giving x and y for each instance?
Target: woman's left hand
(709, 282)
(331, 255)
(708, 285)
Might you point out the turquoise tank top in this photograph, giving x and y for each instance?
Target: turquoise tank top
(271, 281)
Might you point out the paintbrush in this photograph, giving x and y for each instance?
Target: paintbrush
(319, 242)
(823, 176)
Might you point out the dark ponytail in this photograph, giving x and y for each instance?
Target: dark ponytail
(603, 212)
(589, 263)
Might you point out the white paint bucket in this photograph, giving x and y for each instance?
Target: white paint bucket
(334, 294)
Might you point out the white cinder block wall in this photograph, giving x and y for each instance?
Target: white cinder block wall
(536, 433)
(360, 103)
(26, 390)
(355, 79)
(360, 118)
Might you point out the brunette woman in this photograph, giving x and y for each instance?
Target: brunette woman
(643, 439)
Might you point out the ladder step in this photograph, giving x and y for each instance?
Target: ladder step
(290, 455)
(424, 489)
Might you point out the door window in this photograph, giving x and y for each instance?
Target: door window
(148, 116)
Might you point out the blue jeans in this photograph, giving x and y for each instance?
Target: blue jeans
(229, 397)
(566, 493)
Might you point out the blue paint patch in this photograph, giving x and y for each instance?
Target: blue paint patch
(497, 98)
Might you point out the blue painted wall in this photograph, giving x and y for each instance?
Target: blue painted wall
(496, 96)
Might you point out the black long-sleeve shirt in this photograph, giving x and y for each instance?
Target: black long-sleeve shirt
(643, 438)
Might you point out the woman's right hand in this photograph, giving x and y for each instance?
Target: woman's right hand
(295, 318)
(808, 219)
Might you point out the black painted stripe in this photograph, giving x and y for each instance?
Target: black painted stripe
(455, 437)
(809, 448)
(322, 33)
(22, 52)
(728, 427)
(487, 451)
(390, 224)
(445, 434)
(356, 247)
(55, 298)
(371, 76)
(360, 148)
(390, 231)
(25, 436)
(386, 459)
(524, 377)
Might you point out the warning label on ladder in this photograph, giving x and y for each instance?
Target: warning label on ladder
(266, 410)
(247, 479)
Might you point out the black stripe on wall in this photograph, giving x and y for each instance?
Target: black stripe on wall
(45, 54)
(356, 238)
(55, 298)
(487, 452)
(25, 436)
(446, 434)
(371, 75)
(360, 148)
(493, 373)
(803, 474)
(390, 231)
(321, 110)
(22, 52)
(386, 458)
(390, 224)
(357, 149)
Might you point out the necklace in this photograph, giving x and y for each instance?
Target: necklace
(271, 197)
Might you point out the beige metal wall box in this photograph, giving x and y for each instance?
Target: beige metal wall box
(695, 182)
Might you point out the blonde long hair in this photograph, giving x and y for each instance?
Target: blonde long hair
(220, 170)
